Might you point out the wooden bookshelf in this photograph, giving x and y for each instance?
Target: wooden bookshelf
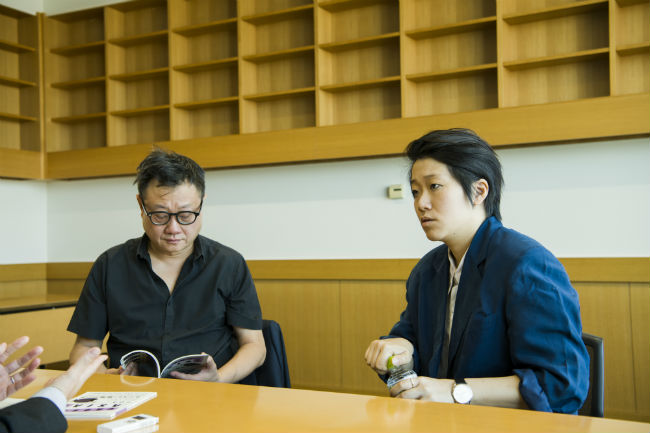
(630, 40)
(180, 72)
(20, 70)
(75, 80)
(547, 58)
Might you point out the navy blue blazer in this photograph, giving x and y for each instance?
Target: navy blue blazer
(516, 313)
(35, 414)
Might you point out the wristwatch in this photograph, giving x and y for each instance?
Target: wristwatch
(461, 392)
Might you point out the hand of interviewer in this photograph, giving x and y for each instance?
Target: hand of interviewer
(11, 380)
(70, 381)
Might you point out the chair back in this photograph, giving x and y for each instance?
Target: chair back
(275, 370)
(594, 405)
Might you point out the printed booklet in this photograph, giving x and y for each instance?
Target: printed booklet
(104, 405)
(144, 363)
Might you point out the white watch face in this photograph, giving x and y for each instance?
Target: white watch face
(462, 393)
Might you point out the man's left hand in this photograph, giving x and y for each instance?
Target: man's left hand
(208, 373)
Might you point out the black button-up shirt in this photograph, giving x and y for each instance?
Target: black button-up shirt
(124, 297)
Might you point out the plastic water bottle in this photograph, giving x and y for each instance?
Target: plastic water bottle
(398, 373)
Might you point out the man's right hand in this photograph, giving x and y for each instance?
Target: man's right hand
(378, 352)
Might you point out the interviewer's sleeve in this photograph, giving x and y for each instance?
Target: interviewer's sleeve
(32, 415)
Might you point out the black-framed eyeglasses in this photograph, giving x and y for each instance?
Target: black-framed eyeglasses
(184, 218)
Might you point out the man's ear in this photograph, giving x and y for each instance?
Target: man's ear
(480, 190)
(140, 205)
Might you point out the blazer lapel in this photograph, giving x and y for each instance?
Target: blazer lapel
(468, 297)
(436, 307)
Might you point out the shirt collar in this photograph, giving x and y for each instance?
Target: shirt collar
(143, 251)
(455, 270)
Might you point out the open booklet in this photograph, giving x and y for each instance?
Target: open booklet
(144, 363)
(105, 405)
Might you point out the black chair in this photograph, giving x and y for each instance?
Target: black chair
(594, 405)
(275, 370)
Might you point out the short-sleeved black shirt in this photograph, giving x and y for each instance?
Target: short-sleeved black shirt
(124, 297)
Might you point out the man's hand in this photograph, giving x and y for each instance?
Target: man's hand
(379, 351)
(70, 381)
(424, 388)
(10, 381)
(208, 373)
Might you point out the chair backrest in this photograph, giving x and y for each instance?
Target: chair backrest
(594, 405)
(275, 370)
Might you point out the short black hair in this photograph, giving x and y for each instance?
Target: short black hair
(169, 169)
(468, 158)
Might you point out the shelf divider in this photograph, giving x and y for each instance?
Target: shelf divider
(80, 118)
(366, 84)
(359, 43)
(140, 111)
(450, 29)
(206, 103)
(16, 82)
(451, 73)
(555, 12)
(269, 96)
(17, 117)
(517, 65)
(269, 17)
(16, 47)
(72, 50)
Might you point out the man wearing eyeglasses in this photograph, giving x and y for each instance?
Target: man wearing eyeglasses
(172, 292)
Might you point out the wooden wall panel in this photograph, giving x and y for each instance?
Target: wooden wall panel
(640, 309)
(369, 309)
(70, 287)
(605, 309)
(18, 289)
(22, 272)
(310, 316)
(45, 328)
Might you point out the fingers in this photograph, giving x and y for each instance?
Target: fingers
(402, 386)
(416, 393)
(88, 363)
(22, 378)
(401, 358)
(70, 381)
(11, 348)
(377, 355)
(23, 360)
(379, 351)
(208, 373)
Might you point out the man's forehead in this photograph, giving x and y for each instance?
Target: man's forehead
(158, 189)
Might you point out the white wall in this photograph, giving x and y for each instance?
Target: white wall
(23, 221)
(52, 7)
(29, 6)
(580, 200)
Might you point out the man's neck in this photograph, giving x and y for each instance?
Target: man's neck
(170, 258)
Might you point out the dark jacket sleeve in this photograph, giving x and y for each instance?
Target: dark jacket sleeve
(545, 335)
(32, 415)
(406, 326)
